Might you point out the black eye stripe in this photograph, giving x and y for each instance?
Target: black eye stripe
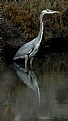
(47, 10)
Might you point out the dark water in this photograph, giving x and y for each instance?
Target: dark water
(40, 94)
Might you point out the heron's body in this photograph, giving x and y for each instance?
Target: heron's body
(29, 49)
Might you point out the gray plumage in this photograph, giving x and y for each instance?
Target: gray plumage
(29, 49)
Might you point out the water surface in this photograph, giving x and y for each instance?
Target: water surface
(34, 95)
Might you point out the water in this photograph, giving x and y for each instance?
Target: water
(40, 94)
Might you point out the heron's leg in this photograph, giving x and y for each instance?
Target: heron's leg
(26, 59)
(31, 60)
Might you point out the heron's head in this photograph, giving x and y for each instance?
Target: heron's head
(47, 11)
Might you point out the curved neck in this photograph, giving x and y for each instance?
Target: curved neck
(41, 29)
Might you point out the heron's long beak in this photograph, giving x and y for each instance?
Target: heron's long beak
(51, 12)
(57, 12)
(47, 11)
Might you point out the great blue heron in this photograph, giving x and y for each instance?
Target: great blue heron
(29, 49)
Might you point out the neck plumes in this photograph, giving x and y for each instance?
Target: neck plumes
(41, 29)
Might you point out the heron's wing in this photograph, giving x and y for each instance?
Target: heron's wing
(26, 49)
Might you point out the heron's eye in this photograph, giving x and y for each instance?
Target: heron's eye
(47, 10)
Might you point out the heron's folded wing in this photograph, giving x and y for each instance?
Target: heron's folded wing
(24, 50)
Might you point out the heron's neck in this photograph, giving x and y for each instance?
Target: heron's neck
(41, 30)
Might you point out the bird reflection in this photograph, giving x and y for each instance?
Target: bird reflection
(28, 77)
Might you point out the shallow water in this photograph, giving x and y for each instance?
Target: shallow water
(34, 95)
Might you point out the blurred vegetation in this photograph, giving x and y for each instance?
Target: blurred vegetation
(25, 16)
(60, 119)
